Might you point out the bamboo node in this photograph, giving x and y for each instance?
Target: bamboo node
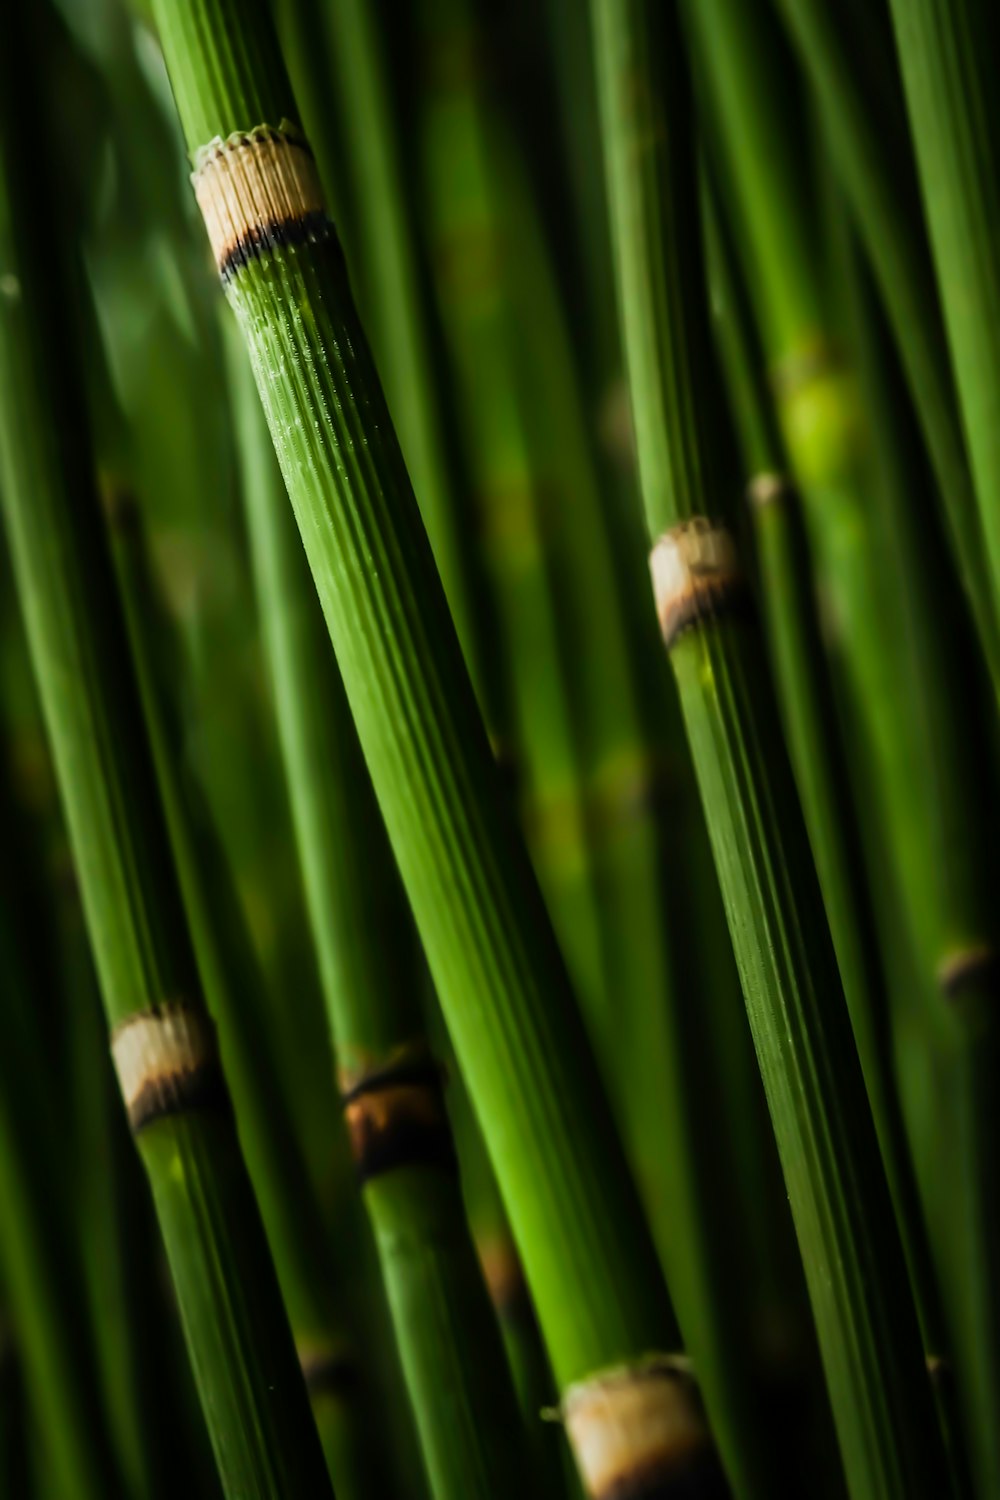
(798, 370)
(167, 1063)
(328, 1371)
(768, 489)
(396, 1115)
(696, 576)
(637, 1428)
(259, 190)
(974, 968)
(504, 1276)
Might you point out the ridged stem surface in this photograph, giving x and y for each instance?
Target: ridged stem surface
(864, 1316)
(234, 991)
(454, 1366)
(852, 75)
(237, 1335)
(465, 166)
(498, 973)
(948, 55)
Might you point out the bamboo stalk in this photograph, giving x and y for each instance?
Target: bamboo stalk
(703, 976)
(648, 1023)
(947, 53)
(157, 318)
(234, 991)
(402, 332)
(403, 337)
(865, 1320)
(469, 184)
(502, 985)
(820, 762)
(850, 68)
(946, 884)
(237, 1335)
(816, 389)
(922, 811)
(98, 1179)
(819, 407)
(158, 1427)
(448, 1339)
(42, 1273)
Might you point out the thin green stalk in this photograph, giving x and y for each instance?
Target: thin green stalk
(502, 984)
(819, 758)
(649, 1021)
(534, 1382)
(466, 170)
(947, 53)
(824, 432)
(851, 71)
(816, 390)
(234, 990)
(652, 1055)
(864, 1316)
(157, 1431)
(448, 1339)
(38, 1249)
(234, 984)
(157, 318)
(392, 294)
(401, 331)
(948, 867)
(903, 704)
(153, 1406)
(712, 1034)
(237, 1334)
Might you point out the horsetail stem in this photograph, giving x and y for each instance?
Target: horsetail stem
(502, 985)
(391, 1086)
(236, 1331)
(233, 986)
(864, 1317)
(848, 61)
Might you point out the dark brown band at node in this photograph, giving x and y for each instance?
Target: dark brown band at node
(167, 1063)
(708, 600)
(699, 1477)
(259, 239)
(397, 1118)
(201, 1088)
(330, 1374)
(638, 1433)
(792, 374)
(975, 969)
(259, 192)
(504, 1277)
(121, 508)
(696, 577)
(418, 1069)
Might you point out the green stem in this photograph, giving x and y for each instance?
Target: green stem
(234, 990)
(38, 1251)
(238, 1338)
(503, 988)
(864, 1316)
(473, 218)
(852, 73)
(947, 53)
(943, 837)
(448, 1339)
